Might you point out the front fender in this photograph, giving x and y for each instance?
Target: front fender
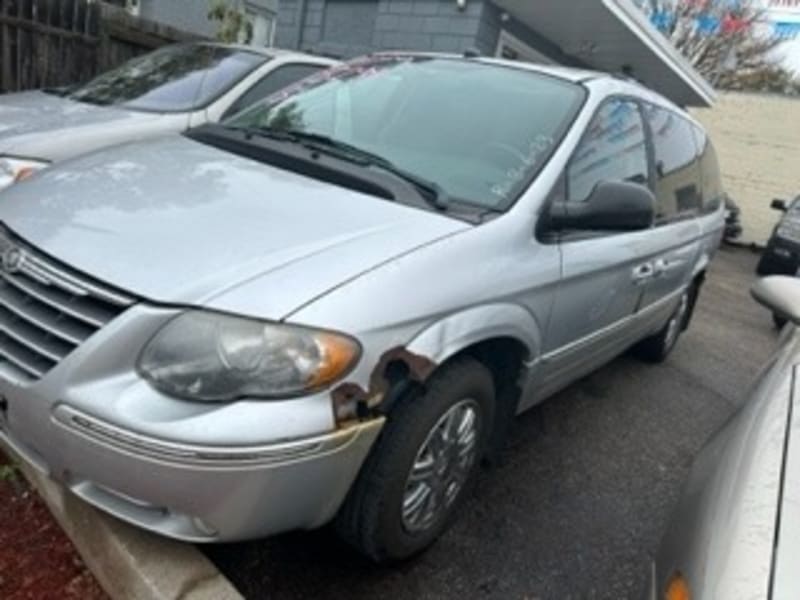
(458, 331)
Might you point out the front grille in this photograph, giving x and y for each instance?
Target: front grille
(46, 309)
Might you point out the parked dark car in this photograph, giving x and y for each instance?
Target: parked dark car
(782, 254)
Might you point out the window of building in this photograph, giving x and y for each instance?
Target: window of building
(512, 48)
(263, 26)
(613, 149)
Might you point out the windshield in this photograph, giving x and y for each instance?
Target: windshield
(478, 131)
(171, 79)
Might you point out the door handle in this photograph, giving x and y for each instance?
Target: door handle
(643, 273)
(664, 266)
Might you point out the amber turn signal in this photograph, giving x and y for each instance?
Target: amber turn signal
(677, 588)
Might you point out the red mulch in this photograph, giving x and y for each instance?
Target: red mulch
(37, 560)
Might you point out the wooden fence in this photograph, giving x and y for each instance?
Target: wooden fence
(45, 43)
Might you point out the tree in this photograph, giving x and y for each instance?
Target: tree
(233, 24)
(726, 41)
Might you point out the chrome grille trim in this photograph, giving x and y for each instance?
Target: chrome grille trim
(26, 367)
(47, 310)
(34, 339)
(45, 296)
(42, 317)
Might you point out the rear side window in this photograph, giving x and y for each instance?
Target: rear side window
(612, 149)
(272, 82)
(677, 170)
(713, 191)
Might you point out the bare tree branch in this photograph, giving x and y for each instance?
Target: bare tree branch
(715, 34)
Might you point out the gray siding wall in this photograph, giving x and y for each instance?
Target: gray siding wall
(192, 15)
(348, 28)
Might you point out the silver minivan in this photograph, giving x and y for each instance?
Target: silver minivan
(330, 307)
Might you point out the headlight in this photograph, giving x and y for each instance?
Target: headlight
(13, 170)
(218, 358)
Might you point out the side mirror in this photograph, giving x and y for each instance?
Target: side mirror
(612, 206)
(780, 294)
(778, 204)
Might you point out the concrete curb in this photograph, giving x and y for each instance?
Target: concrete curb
(129, 562)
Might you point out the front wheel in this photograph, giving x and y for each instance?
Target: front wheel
(656, 348)
(423, 463)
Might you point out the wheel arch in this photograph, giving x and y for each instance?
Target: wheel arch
(455, 333)
(502, 337)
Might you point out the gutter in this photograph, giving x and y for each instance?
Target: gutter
(637, 23)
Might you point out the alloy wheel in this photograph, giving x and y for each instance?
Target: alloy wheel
(441, 467)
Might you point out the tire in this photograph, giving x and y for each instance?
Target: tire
(656, 348)
(372, 518)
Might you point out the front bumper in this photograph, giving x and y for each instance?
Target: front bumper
(192, 471)
(203, 494)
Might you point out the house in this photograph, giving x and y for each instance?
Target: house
(192, 15)
(609, 35)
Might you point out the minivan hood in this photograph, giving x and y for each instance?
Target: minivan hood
(49, 127)
(176, 221)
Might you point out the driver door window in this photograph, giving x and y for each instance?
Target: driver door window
(613, 148)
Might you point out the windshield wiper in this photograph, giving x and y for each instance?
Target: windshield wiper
(430, 191)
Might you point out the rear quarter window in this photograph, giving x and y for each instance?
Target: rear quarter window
(713, 190)
(677, 166)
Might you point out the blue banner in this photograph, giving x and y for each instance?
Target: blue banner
(787, 31)
(662, 19)
(708, 24)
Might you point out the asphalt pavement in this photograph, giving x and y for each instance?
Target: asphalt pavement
(585, 488)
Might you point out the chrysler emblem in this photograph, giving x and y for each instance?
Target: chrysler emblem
(12, 260)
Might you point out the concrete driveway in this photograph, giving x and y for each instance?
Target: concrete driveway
(585, 489)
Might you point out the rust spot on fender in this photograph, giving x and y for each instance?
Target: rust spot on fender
(349, 392)
(419, 368)
(353, 401)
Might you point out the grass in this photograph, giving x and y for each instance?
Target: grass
(9, 473)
